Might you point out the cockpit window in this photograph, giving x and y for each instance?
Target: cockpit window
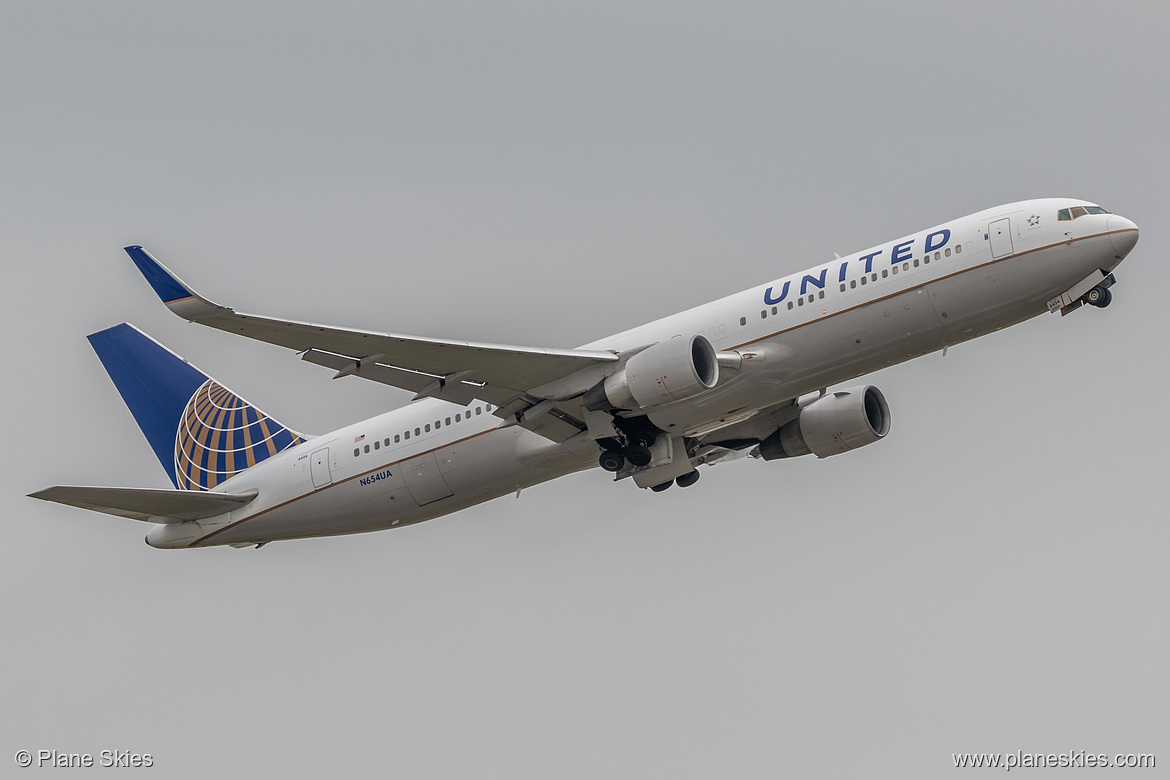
(1079, 211)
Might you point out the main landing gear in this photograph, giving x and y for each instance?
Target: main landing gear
(685, 481)
(612, 460)
(632, 445)
(637, 455)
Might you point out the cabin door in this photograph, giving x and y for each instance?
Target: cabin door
(1000, 233)
(319, 468)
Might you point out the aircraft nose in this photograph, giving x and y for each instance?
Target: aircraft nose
(1123, 233)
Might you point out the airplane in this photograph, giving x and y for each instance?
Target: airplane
(748, 374)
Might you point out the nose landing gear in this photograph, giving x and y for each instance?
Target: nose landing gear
(1099, 296)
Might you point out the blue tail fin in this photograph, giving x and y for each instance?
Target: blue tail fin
(201, 432)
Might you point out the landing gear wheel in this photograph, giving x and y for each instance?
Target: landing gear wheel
(663, 486)
(639, 455)
(611, 460)
(688, 479)
(1099, 297)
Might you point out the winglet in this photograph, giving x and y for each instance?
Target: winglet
(173, 291)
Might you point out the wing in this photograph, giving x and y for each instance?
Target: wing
(156, 506)
(457, 371)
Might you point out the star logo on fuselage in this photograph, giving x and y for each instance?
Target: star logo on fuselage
(1033, 220)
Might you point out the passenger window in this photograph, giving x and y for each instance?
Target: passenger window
(916, 262)
(774, 310)
(427, 427)
(937, 255)
(377, 445)
(895, 269)
(366, 448)
(853, 285)
(885, 273)
(448, 421)
(873, 277)
(948, 252)
(842, 286)
(820, 295)
(406, 435)
(743, 321)
(958, 248)
(865, 280)
(417, 432)
(478, 410)
(458, 418)
(356, 452)
(764, 314)
(437, 425)
(800, 301)
(906, 266)
(397, 438)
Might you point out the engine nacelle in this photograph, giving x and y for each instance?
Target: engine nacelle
(670, 370)
(835, 423)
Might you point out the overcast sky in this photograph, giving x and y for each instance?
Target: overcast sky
(991, 577)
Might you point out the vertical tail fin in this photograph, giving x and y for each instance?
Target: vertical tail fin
(201, 432)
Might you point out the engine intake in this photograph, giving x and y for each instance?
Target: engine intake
(670, 370)
(835, 423)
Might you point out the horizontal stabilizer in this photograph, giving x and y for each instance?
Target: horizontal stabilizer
(151, 504)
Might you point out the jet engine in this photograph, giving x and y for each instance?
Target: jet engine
(670, 370)
(832, 424)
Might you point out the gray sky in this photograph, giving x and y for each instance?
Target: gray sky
(991, 577)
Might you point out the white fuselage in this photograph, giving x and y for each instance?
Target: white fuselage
(807, 331)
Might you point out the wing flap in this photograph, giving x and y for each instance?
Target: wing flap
(149, 504)
(449, 387)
